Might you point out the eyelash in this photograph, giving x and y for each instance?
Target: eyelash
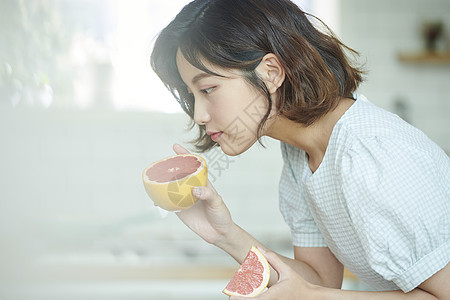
(207, 91)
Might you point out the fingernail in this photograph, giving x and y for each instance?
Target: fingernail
(197, 191)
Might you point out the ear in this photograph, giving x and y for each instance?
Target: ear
(271, 71)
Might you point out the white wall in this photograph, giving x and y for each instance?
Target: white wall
(380, 30)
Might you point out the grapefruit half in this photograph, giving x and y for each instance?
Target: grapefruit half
(252, 276)
(169, 181)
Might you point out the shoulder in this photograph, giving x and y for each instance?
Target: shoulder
(368, 130)
(388, 165)
(385, 157)
(366, 120)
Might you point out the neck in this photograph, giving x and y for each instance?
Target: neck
(312, 139)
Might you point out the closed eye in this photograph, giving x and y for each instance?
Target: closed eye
(207, 91)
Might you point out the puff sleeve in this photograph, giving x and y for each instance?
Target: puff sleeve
(401, 209)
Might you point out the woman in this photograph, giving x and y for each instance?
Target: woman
(360, 188)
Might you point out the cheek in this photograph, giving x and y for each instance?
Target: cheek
(219, 113)
(226, 108)
(240, 104)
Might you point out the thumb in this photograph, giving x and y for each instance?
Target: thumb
(180, 149)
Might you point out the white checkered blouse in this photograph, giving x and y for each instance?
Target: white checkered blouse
(380, 200)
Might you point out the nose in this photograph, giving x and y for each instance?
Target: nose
(201, 115)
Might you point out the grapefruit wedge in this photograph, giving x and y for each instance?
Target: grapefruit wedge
(252, 276)
(169, 181)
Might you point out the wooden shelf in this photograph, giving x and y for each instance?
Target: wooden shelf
(425, 57)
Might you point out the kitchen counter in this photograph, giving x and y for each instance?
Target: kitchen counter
(131, 281)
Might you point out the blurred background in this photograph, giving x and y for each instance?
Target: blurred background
(82, 114)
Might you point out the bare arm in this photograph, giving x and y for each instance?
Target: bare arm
(329, 270)
(316, 265)
(435, 287)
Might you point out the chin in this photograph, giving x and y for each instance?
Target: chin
(231, 153)
(233, 149)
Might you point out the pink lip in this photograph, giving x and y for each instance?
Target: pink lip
(214, 135)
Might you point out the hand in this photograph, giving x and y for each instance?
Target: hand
(209, 217)
(290, 285)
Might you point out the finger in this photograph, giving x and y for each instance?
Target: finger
(261, 297)
(274, 260)
(180, 149)
(206, 193)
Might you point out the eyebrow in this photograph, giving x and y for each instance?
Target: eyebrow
(200, 76)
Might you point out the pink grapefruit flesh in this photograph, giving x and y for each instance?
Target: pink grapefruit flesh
(169, 181)
(252, 276)
(173, 169)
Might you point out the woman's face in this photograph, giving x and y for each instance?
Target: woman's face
(229, 106)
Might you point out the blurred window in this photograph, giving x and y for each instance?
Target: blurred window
(82, 54)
